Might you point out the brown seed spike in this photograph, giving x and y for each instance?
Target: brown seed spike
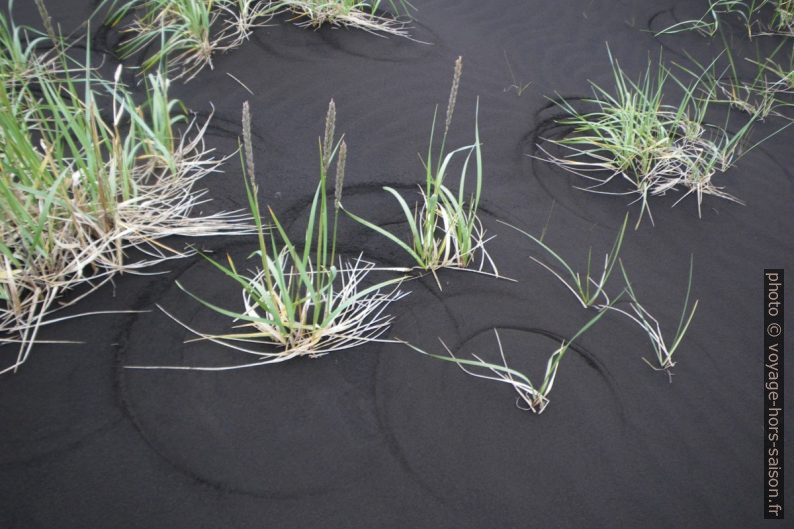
(247, 144)
(46, 19)
(340, 174)
(453, 93)
(328, 139)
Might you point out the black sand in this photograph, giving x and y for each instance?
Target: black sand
(379, 436)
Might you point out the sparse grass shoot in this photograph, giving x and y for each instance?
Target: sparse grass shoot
(760, 17)
(530, 397)
(760, 94)
(663, 349)
(778, 76)
(588, 288)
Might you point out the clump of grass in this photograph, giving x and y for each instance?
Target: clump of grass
(186, 30)
(633, 134)
(663, 349)
(186, 33)
(530, 397)
(298, 302)
(760, 17)
(20, 60)
(78, 189)
(359, 14)
(445, 231)
(588, 288)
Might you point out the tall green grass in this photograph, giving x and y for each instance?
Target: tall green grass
(445, 231)
(79, 187)
(299, 302)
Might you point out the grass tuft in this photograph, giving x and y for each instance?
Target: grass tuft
(188, 32)
(358, 14)
(445, 231)
(79, 189)
(298, 302)
(634, 135)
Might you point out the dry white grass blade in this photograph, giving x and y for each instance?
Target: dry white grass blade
(238, 81)
(240, 18)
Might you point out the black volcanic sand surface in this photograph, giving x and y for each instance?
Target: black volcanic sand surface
(380, 436)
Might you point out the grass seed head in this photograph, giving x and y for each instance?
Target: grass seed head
(328, 137)
(46, 19)
(453, 93)
(247, 144)
(340, 174)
